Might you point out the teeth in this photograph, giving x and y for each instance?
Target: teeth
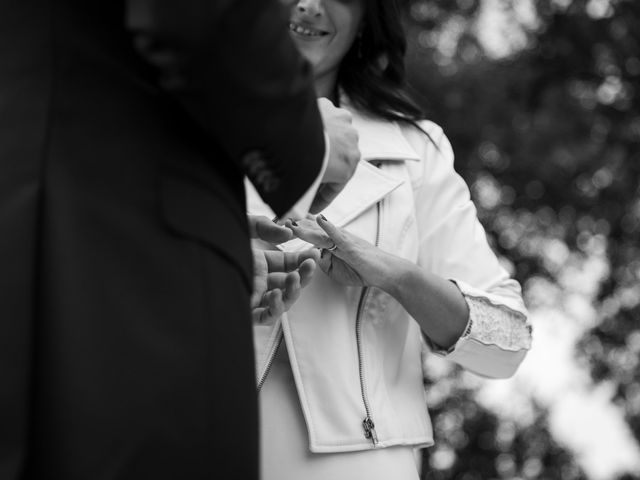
(304, 31)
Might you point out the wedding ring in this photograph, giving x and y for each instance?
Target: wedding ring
(333, 247)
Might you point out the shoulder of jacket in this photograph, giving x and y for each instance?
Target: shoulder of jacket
(429, 141)
(430, 126)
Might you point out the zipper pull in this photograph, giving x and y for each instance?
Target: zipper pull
(370, 430)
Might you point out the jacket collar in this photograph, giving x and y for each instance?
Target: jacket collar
(379, 139)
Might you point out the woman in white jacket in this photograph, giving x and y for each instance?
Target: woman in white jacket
(406, 271)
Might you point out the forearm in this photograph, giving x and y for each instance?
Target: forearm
(434, 302)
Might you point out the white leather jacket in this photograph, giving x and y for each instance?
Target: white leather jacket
(356, 355)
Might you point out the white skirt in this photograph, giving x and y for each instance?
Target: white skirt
(284, 441)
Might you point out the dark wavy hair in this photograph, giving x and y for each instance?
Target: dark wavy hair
(372, 73)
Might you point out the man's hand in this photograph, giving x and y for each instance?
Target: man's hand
(261, 228)
(278, 277)
(343, 153)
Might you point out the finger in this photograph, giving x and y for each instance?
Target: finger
(276, 280)
(256, 314)
(251, 222)
(315, 236)
(267, 296)
(269, 308)
(309, 254)
(292, 290)
(265, 229)
(263, 301)
(308, 223)
(293, 260)
(276, 307)
(278, 261)
(306, 270)
(306, 267)
(334, 233)
(256, 299)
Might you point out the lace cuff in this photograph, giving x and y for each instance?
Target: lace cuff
(494, 342)
(497, 325)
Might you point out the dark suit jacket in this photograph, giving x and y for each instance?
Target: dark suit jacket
(125, 344)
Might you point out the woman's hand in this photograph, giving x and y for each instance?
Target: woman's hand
(434, 302)
(278, 280)
(345, 258)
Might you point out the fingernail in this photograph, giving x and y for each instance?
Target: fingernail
(323, 218)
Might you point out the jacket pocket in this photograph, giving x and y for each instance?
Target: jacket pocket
(209, 215)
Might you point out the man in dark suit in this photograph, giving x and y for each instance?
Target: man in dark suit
(125, 340)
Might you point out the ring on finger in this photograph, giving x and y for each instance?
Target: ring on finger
(333, 247)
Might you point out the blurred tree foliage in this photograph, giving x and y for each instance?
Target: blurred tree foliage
(545, 120)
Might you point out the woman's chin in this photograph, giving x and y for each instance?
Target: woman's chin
(310, 54)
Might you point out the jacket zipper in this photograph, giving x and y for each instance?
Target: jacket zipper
(367, 424)
(272, 356)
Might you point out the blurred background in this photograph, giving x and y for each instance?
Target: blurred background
(541, 102)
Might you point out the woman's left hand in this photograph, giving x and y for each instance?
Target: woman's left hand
(345, 258)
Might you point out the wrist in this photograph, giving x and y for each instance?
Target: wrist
(394, 273)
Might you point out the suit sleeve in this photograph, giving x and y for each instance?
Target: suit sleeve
(232, 66)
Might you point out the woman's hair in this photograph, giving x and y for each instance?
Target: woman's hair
(372, 73)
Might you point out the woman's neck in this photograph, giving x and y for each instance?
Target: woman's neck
(325, 86)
